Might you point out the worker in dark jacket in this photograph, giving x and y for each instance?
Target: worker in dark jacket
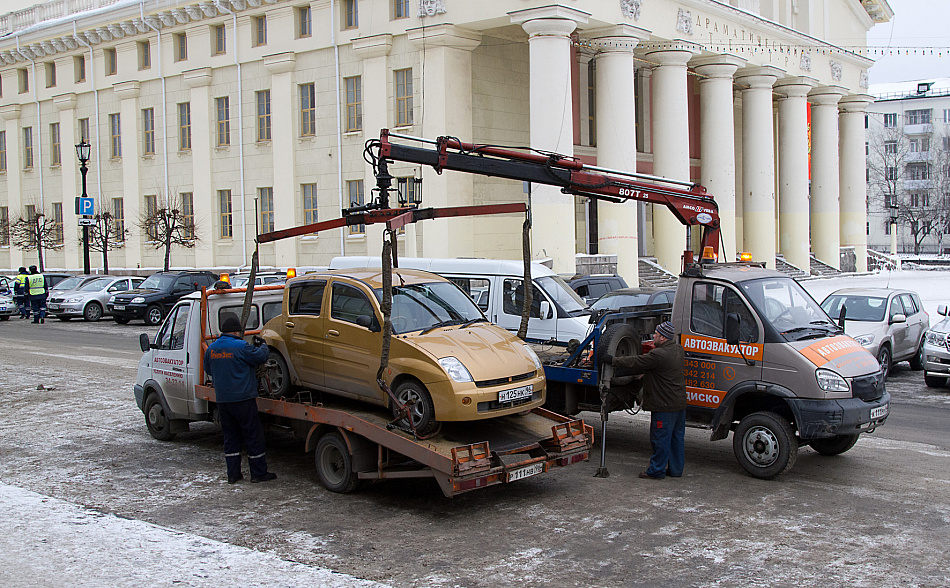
(21, 290)
(36, 283)
(231, 361)
(664, 395)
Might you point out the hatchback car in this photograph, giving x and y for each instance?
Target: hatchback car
(155, 296)
(90, 300)
(70, 283)
(446, 361)
(889, 323)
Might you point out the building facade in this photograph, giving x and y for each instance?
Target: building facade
(908, 156)
(248, 114)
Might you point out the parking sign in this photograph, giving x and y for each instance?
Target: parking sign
(87, 206)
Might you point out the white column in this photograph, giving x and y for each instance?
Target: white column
(717, 141)
(203, 192)
(72, 186)
(737, 131)
(551, 124)
(793, 170)
(11, 117)
(616, 141)
(446, 51)
(283, 143)
(758, 163)
(127, 93)
(670, 147)
(852, 179)
(824, 174)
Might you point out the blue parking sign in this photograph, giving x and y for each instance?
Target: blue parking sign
(87, 206)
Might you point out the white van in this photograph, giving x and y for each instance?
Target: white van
(557, 312)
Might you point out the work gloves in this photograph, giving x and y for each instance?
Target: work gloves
(257, 340)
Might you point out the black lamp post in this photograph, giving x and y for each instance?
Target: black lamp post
(82, 151)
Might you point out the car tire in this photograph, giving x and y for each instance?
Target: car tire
(421, 411)
(934, 381)
(917, 362)
(765, 445)
(834, 445)
(4, 318)
(154, 315)
(619, 340)
(158, 424)
(335, 465)
(92, 313)
(122, 320)
(884, 358)
(279, 376)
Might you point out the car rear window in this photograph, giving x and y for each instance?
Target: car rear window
(235, 311)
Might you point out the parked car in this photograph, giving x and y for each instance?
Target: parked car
(260, 279)
(593, 287)
(155, 296)
(446, 360)
(889, 323)
(54, 278)
(70, 283)
(7, 307)
(634, 298)
(90, 299)
(937, 352)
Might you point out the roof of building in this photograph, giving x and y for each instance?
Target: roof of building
(911, 89)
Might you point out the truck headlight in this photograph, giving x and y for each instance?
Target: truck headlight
(534, 357)
(864, 340)
(454, 368)
(829, 381)
(936, 339)
(138, 300)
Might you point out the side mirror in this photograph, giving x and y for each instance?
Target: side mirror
(364, 320)
(545, 309)
(842, 316)
(942, 310)
(143, 342)
(898, 318)
(732, 328)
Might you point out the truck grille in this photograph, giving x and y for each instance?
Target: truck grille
(868, 388)
(505, 380)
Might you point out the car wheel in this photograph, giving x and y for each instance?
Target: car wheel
(934, 381)
(334, 464)
(765, 445)
(834, 445)
(153, 315)
(121, 320)
(4, 318)
(917, 362)
(884, 358)
(421, 409)
(619, 340)
(92, 312)
(159, 426)
(278, 375)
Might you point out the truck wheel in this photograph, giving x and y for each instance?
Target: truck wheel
(421, 409)
(121, 320)
(834, 445)
(334, 465)
(279, 375)
(92, 312)
(765, 445)
(934, 381)
(917, 362)
(158, 424)
(153, 315)
(619, 340)
(884, 358)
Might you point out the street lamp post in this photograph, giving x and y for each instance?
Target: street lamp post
(82, 151)
(894, 213)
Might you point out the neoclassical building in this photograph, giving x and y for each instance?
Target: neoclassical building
(246, 113)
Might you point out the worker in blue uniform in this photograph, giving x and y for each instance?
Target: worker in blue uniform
(232, 363)
(21, 290)
(36, 283)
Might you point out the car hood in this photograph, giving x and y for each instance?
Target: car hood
(74, 294)
(841, 354)
(136, 292)
(859, 328)
(486, 350)
(942, 327)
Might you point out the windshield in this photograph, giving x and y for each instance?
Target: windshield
(69, 283)
(158, 282)
(789, 308)
(562, 295)
(857, 308)
(96, 285)
(617, 301)
(421, 306)
(239, 282)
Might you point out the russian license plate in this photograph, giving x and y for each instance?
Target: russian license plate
(515, 394)
(879, 412)
(118, 307)
(526, 472)
(54, 307)
(3, 308)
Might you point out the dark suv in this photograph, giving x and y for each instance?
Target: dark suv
(155, 296)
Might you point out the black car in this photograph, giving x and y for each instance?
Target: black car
(592, 287)
(153, 299)
(634, 298)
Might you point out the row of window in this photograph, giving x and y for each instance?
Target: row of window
(922, 116)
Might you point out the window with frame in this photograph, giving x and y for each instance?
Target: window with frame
(890, 120)
(306, 298)
(890, 173)
(112, 61)
(918, 117)
(23, 76)
(148, 131)
(260, 30)
(354, 189)
(354, 104)
(708, 309)
(946, 143)
(51, 74)
(188, 215)
(79, 68)
(918, 200)
(184, 126)
(118, 216)
(115, 135)
(304, 22)
(920, 145)
(918, 171)
(172, 335)
(3, 151)
(513, 298)
(266, 198)
(220, 40)
(890, 200)
(57, 232)
(224, 211)
(309, 203)
(151, 222)
(181, 46)
(4, 226)
(235, 311)
(351, 14)
(84, 130)
(887, 227)
(145, 55)
(348, 303)
(263, 115)
(403, 97)
(946, 115)
(28, 147)
(223, 106)
(400, 9)
(890, 147)
(308, 110)
(56, 155)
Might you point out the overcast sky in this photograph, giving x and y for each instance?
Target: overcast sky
(916, 23)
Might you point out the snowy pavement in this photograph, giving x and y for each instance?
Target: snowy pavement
(49, 542)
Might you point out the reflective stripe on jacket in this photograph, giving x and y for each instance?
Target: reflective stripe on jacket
(37, 284)
(20, 284)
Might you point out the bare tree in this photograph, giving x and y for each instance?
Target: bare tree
(941, 181)
(107, 234)
(168, 226)
(36, 232)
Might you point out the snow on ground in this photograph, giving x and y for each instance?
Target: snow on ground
(50, 542)
(932, 286)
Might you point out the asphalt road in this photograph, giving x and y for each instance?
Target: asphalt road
(876, 516)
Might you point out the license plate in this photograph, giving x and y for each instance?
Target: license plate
(118, 307)
(526, 472)
(515, 394)
(3, 308)
(54, 307)
(879, 412)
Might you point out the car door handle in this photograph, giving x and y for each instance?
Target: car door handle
(333, 332)
(289, 325)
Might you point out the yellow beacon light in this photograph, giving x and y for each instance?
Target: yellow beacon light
(709, 254)
(745, 256)
(291, 272)
(225, 278)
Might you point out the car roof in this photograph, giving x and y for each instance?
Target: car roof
(473, 266)
(373, 276)
(635, 291)
(877, 292)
